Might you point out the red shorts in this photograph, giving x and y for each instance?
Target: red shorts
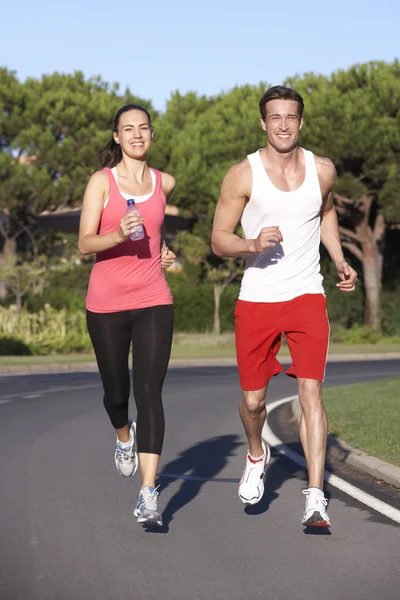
(258, 329)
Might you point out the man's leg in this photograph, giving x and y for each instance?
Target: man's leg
(313, 429)
(257, 338)
(307, 332)
(253, 414)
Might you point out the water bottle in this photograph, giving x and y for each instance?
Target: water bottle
(133, 209)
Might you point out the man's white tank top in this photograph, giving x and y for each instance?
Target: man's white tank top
(292, 268)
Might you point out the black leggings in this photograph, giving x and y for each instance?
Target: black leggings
(150, 331)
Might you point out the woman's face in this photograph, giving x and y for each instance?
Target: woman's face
(134, 134)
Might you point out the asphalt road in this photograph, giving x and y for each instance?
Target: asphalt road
(67, 529)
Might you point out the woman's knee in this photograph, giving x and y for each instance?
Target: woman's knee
(116, 401)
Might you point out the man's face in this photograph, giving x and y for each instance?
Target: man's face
(282, 124)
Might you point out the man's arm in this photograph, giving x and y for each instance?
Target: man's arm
(235, 191)
(167, 256)
(330, 235)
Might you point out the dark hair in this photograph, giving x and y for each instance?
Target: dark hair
(280, 92)
(112, 153)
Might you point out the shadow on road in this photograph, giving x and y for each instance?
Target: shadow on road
(196, 465)
(202, 462)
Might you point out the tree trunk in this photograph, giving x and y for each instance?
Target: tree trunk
(8, 255)
(372, 270)
(3, 282)
(218, 289)
(367, 243)
(18, 303)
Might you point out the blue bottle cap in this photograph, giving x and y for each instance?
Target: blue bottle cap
(130, 202)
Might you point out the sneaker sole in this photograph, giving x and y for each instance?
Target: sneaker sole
(155, 522)
(316, 521)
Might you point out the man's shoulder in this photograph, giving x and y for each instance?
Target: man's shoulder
(324, 165)
(241, 169)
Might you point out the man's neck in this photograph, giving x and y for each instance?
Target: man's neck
(282, 161)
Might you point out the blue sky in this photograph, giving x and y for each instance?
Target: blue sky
(158, 47)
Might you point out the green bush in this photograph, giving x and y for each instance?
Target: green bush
(357, 334)
(63, 290)
(194, 305)
(46, 332)
(345, 310)
(10, 346)
(391, 311)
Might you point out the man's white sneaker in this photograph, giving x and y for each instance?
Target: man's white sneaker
(315, 514)
(251, 485)
(126, 458)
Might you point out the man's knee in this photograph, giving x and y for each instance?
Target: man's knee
(254, 401)
(310, 393)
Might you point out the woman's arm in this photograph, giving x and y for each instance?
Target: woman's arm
(90, 242)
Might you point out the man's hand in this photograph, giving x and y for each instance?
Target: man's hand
(167, 257)
(267, 238)
(347, 275)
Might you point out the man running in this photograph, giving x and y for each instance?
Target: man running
(283, 196)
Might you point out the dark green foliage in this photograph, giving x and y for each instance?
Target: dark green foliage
(10, 346)
(194, 305)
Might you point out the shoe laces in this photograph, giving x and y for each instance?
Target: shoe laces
(125, 453)
(316, 496)
(150, 500)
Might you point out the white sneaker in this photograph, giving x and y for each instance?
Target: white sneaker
(315, 514)
(251, 485)
(126, 458)
(146, 510)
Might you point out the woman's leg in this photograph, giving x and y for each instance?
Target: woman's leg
(152, 339)
(111, 338)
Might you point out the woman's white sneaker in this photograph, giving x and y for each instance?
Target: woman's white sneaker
(251, 485)
(126, 458)
(146, 510)
(315, 514)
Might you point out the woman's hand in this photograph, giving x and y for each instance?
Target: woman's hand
(167, 257)
(129, 224)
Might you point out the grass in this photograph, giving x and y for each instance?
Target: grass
(367, 417)
(200, 345)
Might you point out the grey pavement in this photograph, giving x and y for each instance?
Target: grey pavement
(67, 530)
(87, 367)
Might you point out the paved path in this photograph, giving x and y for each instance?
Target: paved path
(67, 530)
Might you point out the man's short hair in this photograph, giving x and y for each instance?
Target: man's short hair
(280, 92)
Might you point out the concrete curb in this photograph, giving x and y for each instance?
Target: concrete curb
(177, 363)
(357, 458)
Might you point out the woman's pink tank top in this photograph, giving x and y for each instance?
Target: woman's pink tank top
(130, 275)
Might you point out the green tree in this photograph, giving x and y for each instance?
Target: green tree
(51, 133)
(354, 119)
(195, 252)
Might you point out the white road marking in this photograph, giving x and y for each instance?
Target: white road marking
(198, 478)
(347, 488)
(37, 393)
(5, 401)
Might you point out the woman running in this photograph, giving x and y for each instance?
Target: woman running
(128, 300)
